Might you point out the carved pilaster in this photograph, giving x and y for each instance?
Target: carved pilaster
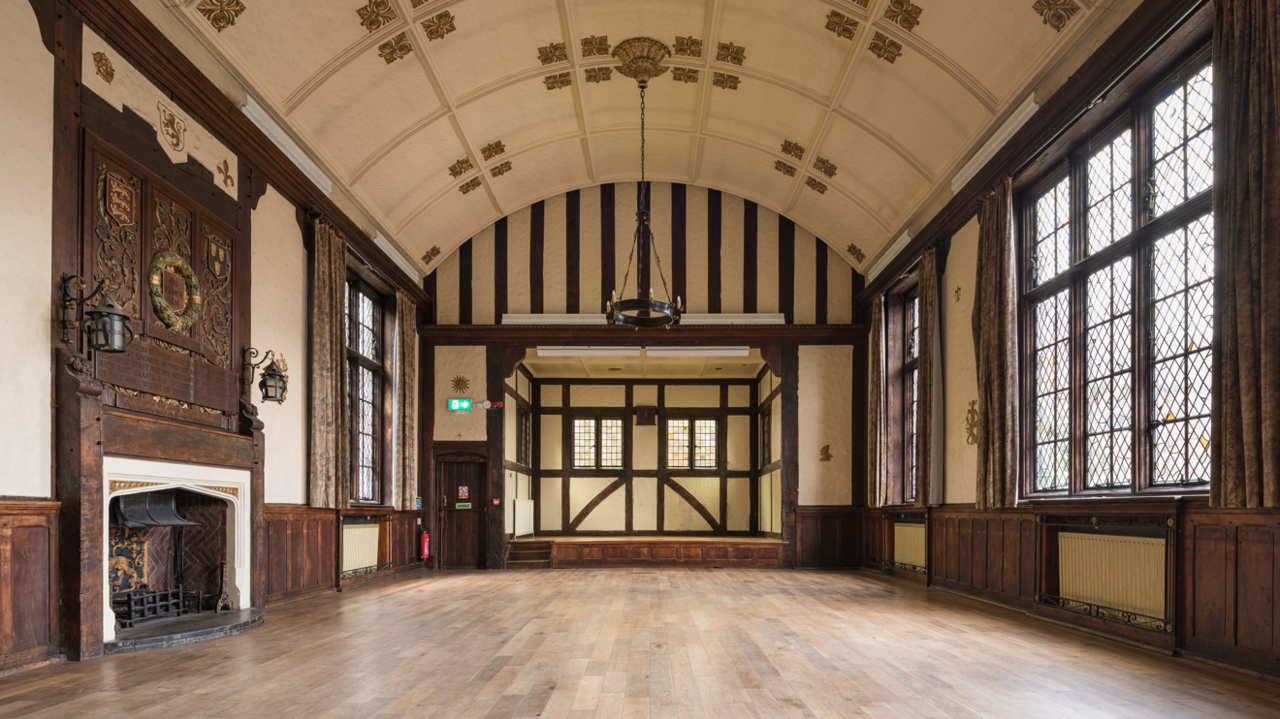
(78, 444)
(251, 426)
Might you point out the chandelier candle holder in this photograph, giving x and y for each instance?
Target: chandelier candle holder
(641, 59)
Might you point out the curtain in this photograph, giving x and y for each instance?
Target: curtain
(330, 468)
(930, 400)
(1246, 79)
(995, 342)
(875, 410)
(406, 470)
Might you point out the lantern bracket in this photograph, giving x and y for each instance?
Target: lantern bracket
(73, 305)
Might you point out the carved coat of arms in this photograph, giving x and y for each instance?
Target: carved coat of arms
(120, 201)
(217, 258)
(172, 128)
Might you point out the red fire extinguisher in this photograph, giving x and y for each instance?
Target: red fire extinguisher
(424, 551)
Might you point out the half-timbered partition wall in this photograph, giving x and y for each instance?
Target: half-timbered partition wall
(720, 253)
(644, 490)
(518, 468)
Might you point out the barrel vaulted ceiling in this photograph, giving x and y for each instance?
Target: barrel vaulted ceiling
(437, 117)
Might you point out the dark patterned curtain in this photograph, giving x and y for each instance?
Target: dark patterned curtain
(995, 341)
(1246, 81)
(929, 394)
(406, 470)
(330, 467)
(875, 410)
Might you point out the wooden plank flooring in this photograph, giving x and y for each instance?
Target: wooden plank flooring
(642, 643)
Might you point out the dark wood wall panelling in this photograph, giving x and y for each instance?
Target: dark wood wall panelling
(678, 265)
(828, 537)
(28, 584)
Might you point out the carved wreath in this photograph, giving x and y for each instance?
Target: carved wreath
(169, 261)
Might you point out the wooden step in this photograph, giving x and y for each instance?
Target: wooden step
(528, 564)
(520, 555)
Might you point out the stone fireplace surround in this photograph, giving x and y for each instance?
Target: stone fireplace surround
(124, 476)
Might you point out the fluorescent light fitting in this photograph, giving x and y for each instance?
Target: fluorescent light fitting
(898, 246)
(697, 351)
(997, 141)
(752, 318)
(260, 117)
(588, 351)
(550, 319)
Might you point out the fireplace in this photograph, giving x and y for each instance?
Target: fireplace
(170, 531)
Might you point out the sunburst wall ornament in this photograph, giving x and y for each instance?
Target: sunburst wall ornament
(460, 384)
(641, 60)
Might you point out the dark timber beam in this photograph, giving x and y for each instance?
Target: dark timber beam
(711, 335)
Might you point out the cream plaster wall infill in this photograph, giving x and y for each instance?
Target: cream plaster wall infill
(644, 449)
(551, 447)
(549, 504)
(739, 396)
(26, 204)
(738, 443)
(597, 395)
(645, 395)
(552, 395)
(680, 516)
(961, 375)
(130, 88)
(692, 396)
(229, 485)
(739, 504)
(279, 321)
(510, 488)
(644, 504)
(453, 362)
(826, 420)
(509, 419)
(609, 515)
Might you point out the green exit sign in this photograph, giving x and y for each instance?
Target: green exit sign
(459, 405)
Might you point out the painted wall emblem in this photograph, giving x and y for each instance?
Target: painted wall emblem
(127, 565)
(224, 171)
(461, 384)
(172, 128)
(971, 423)
(121, 201)
(102, 66)
(216, 258)
(825, 453)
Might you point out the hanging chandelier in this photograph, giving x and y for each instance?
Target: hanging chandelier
(641, 59)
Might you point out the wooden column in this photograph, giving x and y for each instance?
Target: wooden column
(790, 449)
(495, 381)
(78, 450)
(251, 426)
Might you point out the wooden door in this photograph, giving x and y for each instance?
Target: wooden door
(463, 522)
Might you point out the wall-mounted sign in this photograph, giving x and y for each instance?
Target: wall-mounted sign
(464, 493)
(496, 501)
(462, 505)
(459, 405)
(418, 505)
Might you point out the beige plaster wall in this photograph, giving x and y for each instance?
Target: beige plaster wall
(692, 396)
(644, 450)
(738, 443)
(468, 362)
(739, 396)
(279, 322)
(739, 504)
(549, 503)
(552, 395)
(958, 363)
(604, 395)
(644, 504)
(826, 421)
(611, 514)
(26, 204)
(680, 516)
(509, 410)
(550, 439)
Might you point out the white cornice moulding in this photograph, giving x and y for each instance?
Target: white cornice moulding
(697, 351)
(757, 318)
(396, 256)
(898, 246)
(588, 351)
(997, 141)
(260, 117)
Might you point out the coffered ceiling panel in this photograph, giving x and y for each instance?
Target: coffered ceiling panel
(617, 156)
(780, 38)
(439, 116)
(364, 104)
(532, 175)
(763, 113)
(520, 115)
(420, 166)
(495, 39)
(744, 171)
(890, 189)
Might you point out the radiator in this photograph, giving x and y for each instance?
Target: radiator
(524, 517)
(1125, 573)
(359, 546)
(909, 545)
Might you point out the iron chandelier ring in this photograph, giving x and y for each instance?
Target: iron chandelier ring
(665, 314)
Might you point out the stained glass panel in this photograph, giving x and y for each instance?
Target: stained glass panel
(1109, 371)
(584, 443)
(1181, 349)
(1182, 143)
(1052, 392)
(1052, 232)
(704, 443)
(364, 449)
(677, 443)
(1110, 174)
(610, 443)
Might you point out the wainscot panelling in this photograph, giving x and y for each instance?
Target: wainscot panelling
(828, 537)
(1230, 586)
(301, 551)
(642, 553)
(987, 553)
(28, 583)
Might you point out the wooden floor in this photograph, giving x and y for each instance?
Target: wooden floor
(631, 643)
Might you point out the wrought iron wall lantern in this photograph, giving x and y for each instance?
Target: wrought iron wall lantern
(275, 380)
(641, 59)
(108, 322)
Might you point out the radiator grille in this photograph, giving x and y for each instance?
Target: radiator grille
(359, 547)
(909, 545)
(1111, 572)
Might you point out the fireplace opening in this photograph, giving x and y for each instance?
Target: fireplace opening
(168, 555)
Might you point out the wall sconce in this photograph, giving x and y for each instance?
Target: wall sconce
(275, 378)
(108, 323)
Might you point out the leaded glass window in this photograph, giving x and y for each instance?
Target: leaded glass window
(678, 442)
(911, 386)
(597, 443)
(1118, 307)
(611, 443)
(584, 443)
(363, 321)
(704, 444)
